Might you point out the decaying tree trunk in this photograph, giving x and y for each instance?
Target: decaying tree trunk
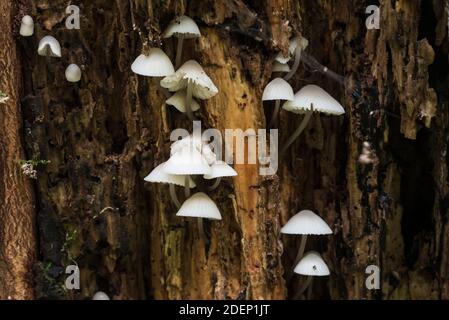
(104, 134)
(17, 223)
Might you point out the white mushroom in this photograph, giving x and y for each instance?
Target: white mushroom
(312, 265)
(305, 223)
(73, 73)
(191, 76)
(100, 295)
(307, 100)
(27, 26)
(297, 45)
(49, 47)
(219, 170)
(201, 206)
(195, 142)
(182, 28)
(155, 64)
(178, 100)
(278, 89)
(159, 175)
(280, 67)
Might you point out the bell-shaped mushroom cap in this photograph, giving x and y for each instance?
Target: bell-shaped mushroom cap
(159, 175)
(195, 142)
(297, 42)
(178, 100)
(280, 67)
(100, 295)
(200, 206)
(312, 265)
(314, 95)
(182, 26)
(27, 26)
(73, 73)
(49, 46)
(220, 169)
(306, 222)
(187, 161)
(155, 64)
(191, 72)
(278, 89)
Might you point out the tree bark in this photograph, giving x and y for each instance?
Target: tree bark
(106, 133)
(17, 223)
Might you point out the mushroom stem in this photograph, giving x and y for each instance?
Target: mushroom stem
(304, 287)
(201, 230)
(215, 185)
(189, 111)
(179, 52)
(298, 131)
(310, 291)
(187, 186)
(274, 118)
(301, 249)
(295, 66)
(174, 197)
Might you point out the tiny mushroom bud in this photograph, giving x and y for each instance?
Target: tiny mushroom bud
(73, 73)
(312, 265)
(297, 45)
(201, 206)
(307, 100)
(278, 89)
(27, 26)
(191, 76)
(182, 28)
(49, 47)
(155, 64)
(100, 295)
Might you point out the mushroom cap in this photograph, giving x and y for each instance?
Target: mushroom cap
(187, 161)
(316, 96)
(281, 59)
(297, 42)
(100, 295)
(201, 146)
(200, 206)
(191, 72)
(278, 89)
(178, 100)
(27, 26)
(27, 20)
(73, 73)
(220, 169)
(312, 265)
(159, 175)
(306, 222)
(49, 46)
(280, 67)
(182, 26)
(155, 64)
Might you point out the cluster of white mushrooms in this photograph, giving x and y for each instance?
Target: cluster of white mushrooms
(49, 47)
(191, 156)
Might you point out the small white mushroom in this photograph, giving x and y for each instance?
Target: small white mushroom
(49, 47)
(191, 76)
(277, 89)
(155, 64)
(27, 26)
(195, 142)
(159, 175)
(305, 223)
(297, 45)
(280, 67)
(100, 295)
(73, 73)
(178, 100)
(182, 28)
(219, 169)
(307, 100)
(200, 206)
(312, 265)
(187, 161)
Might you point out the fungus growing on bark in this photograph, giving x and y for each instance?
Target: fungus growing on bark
(297, 45)
(73, 73)
(179, 99)
(155, 64)
(182, 28)
(219, 170)
(100, 295)
(27, 26)
(305, 223)
(307, 100)
(277, 90)
(280, 67)
(49, 47)
(190, 76)
(199, 206)
(312, 265)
